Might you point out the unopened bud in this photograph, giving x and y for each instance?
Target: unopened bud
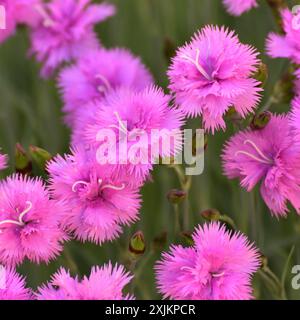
(211, 214)
(137, 244)
(176, 196)
(40, 156)
(261, 120)
(22, 161)
(187, 236)
(261, 74)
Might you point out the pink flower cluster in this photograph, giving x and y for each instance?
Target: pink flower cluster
(104, 283)
(111, 89)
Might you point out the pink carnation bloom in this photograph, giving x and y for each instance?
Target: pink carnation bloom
(269, 156)
(3, 161)
(97, 73)
(238, 7)
(13, 286)
(66, 31)
(29, 221)
(18, 12)
(97, 204)
(104, 283)
(287, 45)
(132, 117)
(218, 267)
(213, 72)
(295, 117)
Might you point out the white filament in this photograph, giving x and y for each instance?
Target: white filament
(20, 221)
(197, 64)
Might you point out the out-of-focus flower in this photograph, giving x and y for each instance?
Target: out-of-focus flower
(212, 73)
(29, 221)
(269, 155)
(238, 7)
(218, 267)
(104, 283)
(287, 45)
(97, 73)
(143, 120)
(66, 31)
(3, 161)
(13, 286)
(18, 12)
(98, 205)
(295, 118)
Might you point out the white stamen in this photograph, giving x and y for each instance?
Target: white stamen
(22, 214)
(11, 221)
(197, 64)
(78, 183)
(257, 149)
(121, 126)
(110, 186)
(48, 22)
(217, 275)
(105, 81)
(252, 156)
(20, 221)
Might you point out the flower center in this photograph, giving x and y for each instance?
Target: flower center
(197, 64)
(20, 221)
(260, 156)
(105, 85)
(89, 190)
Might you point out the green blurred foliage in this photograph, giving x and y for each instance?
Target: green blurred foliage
(30, 113)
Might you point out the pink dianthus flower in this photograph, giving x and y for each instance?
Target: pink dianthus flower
(287, 45)
(98, 205)
(218, 267)
(66, 31)
(144, 120)
(270, 156)
(29, 221)
(18, 12)
(104, 283)
(13, 286)
(212, 73)
(238, 7)
(96, 74)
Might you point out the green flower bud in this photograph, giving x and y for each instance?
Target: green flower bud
(176, 196)
(39, 156)
(211, 215)
(23, 163)
(260, 120)
(137, 244)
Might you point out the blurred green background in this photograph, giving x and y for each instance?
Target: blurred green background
(30, 113)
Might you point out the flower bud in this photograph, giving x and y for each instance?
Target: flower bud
(176, 196)
(40, 156)
(261, 74)
(259, 121)
(137, 244)
(23, 163)
(211, 215)
(187, 236)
